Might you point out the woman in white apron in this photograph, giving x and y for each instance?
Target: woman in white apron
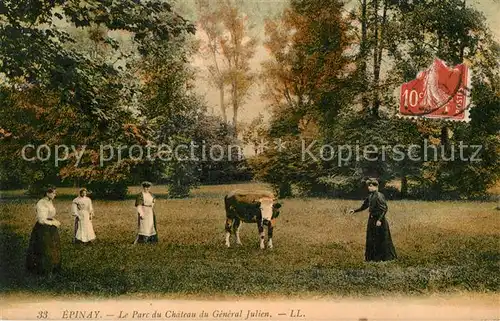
(146, 219)
(83, 212)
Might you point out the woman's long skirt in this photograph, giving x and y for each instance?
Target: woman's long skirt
(147, 232)
(379, 246)
(84, 230)
(44, 250)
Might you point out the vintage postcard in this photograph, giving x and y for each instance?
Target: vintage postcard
(262, 160)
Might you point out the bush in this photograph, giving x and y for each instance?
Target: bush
(178, 190)
(225, 172)
(391, 192)
(108, 190)
(180, 180)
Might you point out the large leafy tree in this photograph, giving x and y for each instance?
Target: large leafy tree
(397, 39)
(456, 33)
(255, 133)
(306, 78)
(306, 86)
(54, 92)
(409, 34)
(229, 47)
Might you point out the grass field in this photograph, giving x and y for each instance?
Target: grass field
(443, 247)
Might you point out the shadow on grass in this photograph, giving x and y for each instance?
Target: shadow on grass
(13, 253)
(79, 279)
(11, 198)
(109, 269)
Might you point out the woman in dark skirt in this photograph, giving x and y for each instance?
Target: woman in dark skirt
(44, 251)
(379, 246)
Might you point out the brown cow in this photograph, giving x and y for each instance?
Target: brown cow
(251, 207)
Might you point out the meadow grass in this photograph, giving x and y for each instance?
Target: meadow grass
(443, 247)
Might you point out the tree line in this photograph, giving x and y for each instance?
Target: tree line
(120, 73)
(332, 79)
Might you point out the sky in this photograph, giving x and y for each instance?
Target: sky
(261, 9)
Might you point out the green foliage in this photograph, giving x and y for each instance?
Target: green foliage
(255, 132)
(232, 167)
(456, 34)
(467, 179)
(181, 172)
(171, 111)
(228, 49)
(33, 48)
(277, 169)
(65, 80)
(307, 85)
(308, 108)
(108, 190)
(176, 116)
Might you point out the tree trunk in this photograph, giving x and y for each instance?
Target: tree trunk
(462, 45)
(235, 106)
(284, 190)
(222, 106)
(444, 136)
(377, 56)
(378, 59)
(404, 187)
(363, 52)
(235, 120)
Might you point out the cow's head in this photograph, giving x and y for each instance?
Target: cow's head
(268, 208)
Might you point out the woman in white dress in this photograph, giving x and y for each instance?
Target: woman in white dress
(83, 212)
(146, 219)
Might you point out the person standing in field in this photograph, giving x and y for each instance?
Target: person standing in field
(379, 246)
(83, 211)
(44, 249)
(146, 219)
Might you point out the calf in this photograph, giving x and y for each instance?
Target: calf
(251, 207)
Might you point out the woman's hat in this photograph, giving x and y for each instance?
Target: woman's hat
(372, 181)
(146, 184)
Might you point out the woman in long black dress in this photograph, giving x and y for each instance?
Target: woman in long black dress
(379, 246)
(44, 251)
